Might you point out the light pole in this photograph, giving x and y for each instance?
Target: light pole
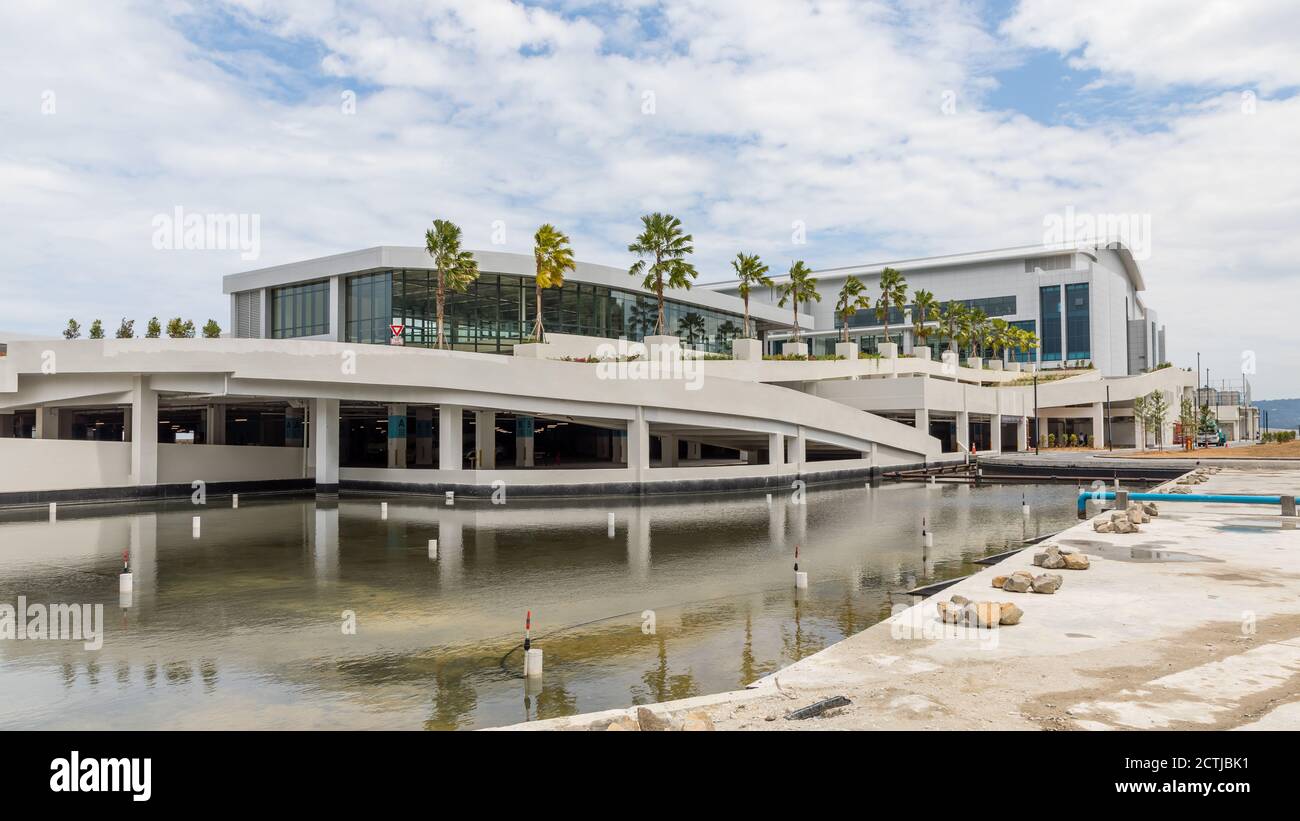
(1037, 433)
(1110, 441)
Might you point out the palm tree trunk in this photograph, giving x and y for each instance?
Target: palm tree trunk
(795, 302)
(659, 292)
(537, 320)
(747, 315)
(442, 295)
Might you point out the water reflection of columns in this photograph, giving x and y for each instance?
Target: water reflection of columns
(144, 551)
(485, 544)
(451, 549)
(776, 523)
(325, 541)
(638, 542)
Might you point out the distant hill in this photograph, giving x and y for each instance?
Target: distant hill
(1282, 413)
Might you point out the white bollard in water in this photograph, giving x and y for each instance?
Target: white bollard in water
(234, 501)
(769, 499)
(124, 582)
(54, 511)
(451, 497)
(194, 527)
(610, 526)
(801, 580)
(433, 548)
(533, 663)
(1024, 508)
(383, 510)
(124, 599)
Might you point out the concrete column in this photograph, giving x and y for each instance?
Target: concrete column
(126, 424)
(65, 424)
(397, 436)
(450, 447)
(963, 430)
(293, 427)
(144, 433)
(995, 433)
(1098, 439)
(524, 441)
(923, 420)
(668, 450)
(6, 426)
(798, 448)
(693, 450)
(775, 449)
(338, 309)
(638, 443)
(1022, 433)
(47, 423)
(325, 447)
(485, 439)
(214, 425)
(424, 436)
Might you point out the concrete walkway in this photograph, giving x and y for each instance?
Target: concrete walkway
(1192, 623)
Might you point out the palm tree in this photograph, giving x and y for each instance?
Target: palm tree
(852, 298)
(999, 334)
(553, 256)
(642, 318)
(977, 330)
(953, 319)
(800, 287)
(752, 273)
(456, 268)
(662, 239)
(893, 294)
(727, 331)
(692, 327)
(924, 309)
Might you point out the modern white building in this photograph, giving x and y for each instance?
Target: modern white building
(308, 392)
(1086, 305)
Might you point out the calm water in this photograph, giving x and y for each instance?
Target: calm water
(243, 626)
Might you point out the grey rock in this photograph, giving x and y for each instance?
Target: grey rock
(1047, 583)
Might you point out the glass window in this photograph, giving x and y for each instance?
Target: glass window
(300, 310)
(1030, 325)
(1050, 310)
(1077, 326)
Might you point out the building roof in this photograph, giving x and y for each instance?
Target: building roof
(385, 257)
(973, 258)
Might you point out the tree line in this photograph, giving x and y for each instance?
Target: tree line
(177, 328)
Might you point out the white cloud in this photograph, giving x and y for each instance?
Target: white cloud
(765, 113)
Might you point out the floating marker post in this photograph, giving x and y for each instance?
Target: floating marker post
(800, 577)
(927, 538)
(195, 527)
(1024, 506)
(124, 581)
(234, 501)
(610, 527)
(433, 548)
(769, 500)
(532, 656)
(451, 497)
(54, 512)
(383, 510)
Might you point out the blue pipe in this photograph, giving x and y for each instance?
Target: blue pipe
(1107, 495)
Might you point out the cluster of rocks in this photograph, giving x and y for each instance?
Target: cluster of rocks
(988, 614)
(1022, 581)
(1055, 557)
(647, 720)
(1126, 521)
(1198, 476)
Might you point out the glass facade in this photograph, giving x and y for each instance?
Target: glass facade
(1049, 298)
(498, 310)
(1077, 326)
(991, 306)
(300, 310)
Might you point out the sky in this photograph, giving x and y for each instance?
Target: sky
(883, 130)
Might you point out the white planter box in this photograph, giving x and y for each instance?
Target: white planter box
(795, 349)
(972, 362)
(888, 350)
(747, 349)
(995, 364)
(848, 350)
(534, 350)
(922, 352)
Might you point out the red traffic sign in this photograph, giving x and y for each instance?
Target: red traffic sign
(396, 329)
